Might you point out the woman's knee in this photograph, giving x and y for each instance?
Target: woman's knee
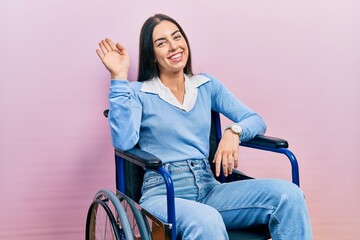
(289, 195)
(286, 189)
(293, 193)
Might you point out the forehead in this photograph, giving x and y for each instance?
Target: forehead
(163, 29)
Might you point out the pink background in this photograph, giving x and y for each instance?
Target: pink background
(295, 62)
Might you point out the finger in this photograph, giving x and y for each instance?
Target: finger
(230, 164)
(217, 161)
(103, 48)
(106, 45)
(110, 43)
(225, 164)
(100, 53)
(120, 47)
(236, 163)
(236, 159)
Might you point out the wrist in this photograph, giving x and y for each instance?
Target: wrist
(235, 129)
(119, 76)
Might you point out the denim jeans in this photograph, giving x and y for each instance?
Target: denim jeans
(205, 208)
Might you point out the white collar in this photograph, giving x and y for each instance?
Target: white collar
(191, 90)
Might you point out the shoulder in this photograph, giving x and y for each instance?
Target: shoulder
(210, 79)
(205, 75)
(197, 80)
(209, 76)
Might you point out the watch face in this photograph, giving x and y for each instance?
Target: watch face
(236, 128)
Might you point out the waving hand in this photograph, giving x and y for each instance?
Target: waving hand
(115, 58)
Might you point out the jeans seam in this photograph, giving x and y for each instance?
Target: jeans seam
(268, 207)
(277, 227)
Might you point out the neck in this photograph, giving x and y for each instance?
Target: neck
(174, 81)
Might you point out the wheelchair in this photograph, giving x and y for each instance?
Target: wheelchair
(119, 216)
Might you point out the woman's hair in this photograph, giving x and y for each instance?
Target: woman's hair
(148, 68)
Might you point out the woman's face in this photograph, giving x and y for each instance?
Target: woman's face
(170, 47)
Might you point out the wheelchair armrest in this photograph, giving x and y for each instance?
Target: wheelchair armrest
(266, 141)
(140, 158)
(149, 161)
(277, 145)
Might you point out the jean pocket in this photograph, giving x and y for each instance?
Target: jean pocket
(152, 179)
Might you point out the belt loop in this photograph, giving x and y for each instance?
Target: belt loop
(166, 167)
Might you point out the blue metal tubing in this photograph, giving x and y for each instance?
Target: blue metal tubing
(120, 184)
(170, 200)
(288, 153)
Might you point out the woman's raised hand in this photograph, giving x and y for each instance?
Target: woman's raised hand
(115, 58)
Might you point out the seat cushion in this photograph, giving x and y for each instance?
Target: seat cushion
(256, 233)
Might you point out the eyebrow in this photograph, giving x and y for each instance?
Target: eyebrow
(176, 31)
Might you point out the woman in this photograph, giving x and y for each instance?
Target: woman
(167, 112)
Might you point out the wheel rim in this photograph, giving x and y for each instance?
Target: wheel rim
(113, 205)
(139, 224)
(101, 224)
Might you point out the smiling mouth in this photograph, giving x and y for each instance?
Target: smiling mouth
(176, 57)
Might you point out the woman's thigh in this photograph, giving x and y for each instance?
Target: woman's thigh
(251, 202)
(194, 220)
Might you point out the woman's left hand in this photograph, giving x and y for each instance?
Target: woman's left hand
(227, 153)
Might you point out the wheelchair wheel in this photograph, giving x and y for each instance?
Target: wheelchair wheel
(107, 218)
(100, 222)
(139, 223)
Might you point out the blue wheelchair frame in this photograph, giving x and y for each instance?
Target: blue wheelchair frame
(149, 161)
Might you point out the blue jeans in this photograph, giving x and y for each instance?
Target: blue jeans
(205, 208)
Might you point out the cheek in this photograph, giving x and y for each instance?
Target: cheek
(159, 54)
(184, 44)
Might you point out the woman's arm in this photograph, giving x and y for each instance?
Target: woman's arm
(125, 108)
(224, 102)
(125, 112)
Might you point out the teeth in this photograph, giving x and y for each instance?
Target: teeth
(176, 56)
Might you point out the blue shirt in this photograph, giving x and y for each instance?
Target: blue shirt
(171, 133)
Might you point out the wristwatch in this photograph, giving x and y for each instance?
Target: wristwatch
(236, 129)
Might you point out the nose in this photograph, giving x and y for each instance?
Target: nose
(173, 46)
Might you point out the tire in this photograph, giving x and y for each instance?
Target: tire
(100, 222)
(115, 212)
(138, 221)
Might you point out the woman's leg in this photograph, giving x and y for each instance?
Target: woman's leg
(192, 179)
(194, 220)
(278, 203)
